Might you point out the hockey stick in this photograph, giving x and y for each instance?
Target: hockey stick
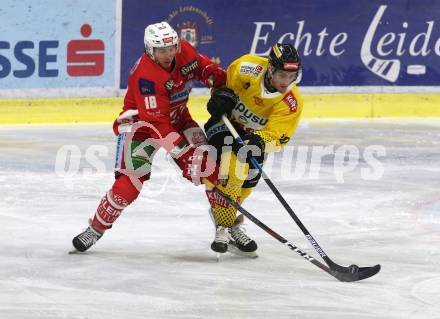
(354, 270)
(345, 276)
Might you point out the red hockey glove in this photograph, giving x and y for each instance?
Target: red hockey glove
(213, 76)
(197, 164)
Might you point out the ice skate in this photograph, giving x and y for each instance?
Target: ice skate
(220, 243)
(239, 243)
(85, 240)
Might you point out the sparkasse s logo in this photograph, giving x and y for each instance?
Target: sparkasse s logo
(85, 58)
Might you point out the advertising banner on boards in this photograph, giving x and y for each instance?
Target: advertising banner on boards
(341, 42)
(57, 44)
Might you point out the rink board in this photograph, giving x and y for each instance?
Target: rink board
(85, 110)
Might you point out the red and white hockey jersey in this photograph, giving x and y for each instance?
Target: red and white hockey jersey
(161, 97)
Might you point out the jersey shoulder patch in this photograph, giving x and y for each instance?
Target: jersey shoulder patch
(249, 68)
(146, 87)
(291, 102)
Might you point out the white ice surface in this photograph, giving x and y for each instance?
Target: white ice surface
(156, 261)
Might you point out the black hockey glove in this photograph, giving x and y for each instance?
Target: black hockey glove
(254, 147)
(222, 102)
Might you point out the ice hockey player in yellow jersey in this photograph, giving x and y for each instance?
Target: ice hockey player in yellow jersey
(264, 105)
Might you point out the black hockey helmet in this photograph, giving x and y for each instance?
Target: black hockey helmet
(285, 57)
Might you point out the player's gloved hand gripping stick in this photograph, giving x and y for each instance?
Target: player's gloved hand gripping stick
(351, 273)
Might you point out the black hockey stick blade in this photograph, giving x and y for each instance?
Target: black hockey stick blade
(354, 273)
(345, 274)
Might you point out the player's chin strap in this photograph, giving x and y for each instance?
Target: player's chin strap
(309, 237)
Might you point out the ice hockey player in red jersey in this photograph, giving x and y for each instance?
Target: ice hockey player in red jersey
(155, 115)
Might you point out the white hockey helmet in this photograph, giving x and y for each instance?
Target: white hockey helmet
(159, 35)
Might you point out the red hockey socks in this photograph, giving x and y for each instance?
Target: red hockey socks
(122, 194)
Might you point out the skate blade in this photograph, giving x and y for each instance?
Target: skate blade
(234, 250)
(74, 251)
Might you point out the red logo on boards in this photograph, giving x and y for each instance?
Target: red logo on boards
(85, 57)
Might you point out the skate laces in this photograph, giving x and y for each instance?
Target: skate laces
(221, 235)
(239, 235)
(89, 237)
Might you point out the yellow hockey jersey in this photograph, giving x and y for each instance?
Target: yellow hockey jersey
(273, 116)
